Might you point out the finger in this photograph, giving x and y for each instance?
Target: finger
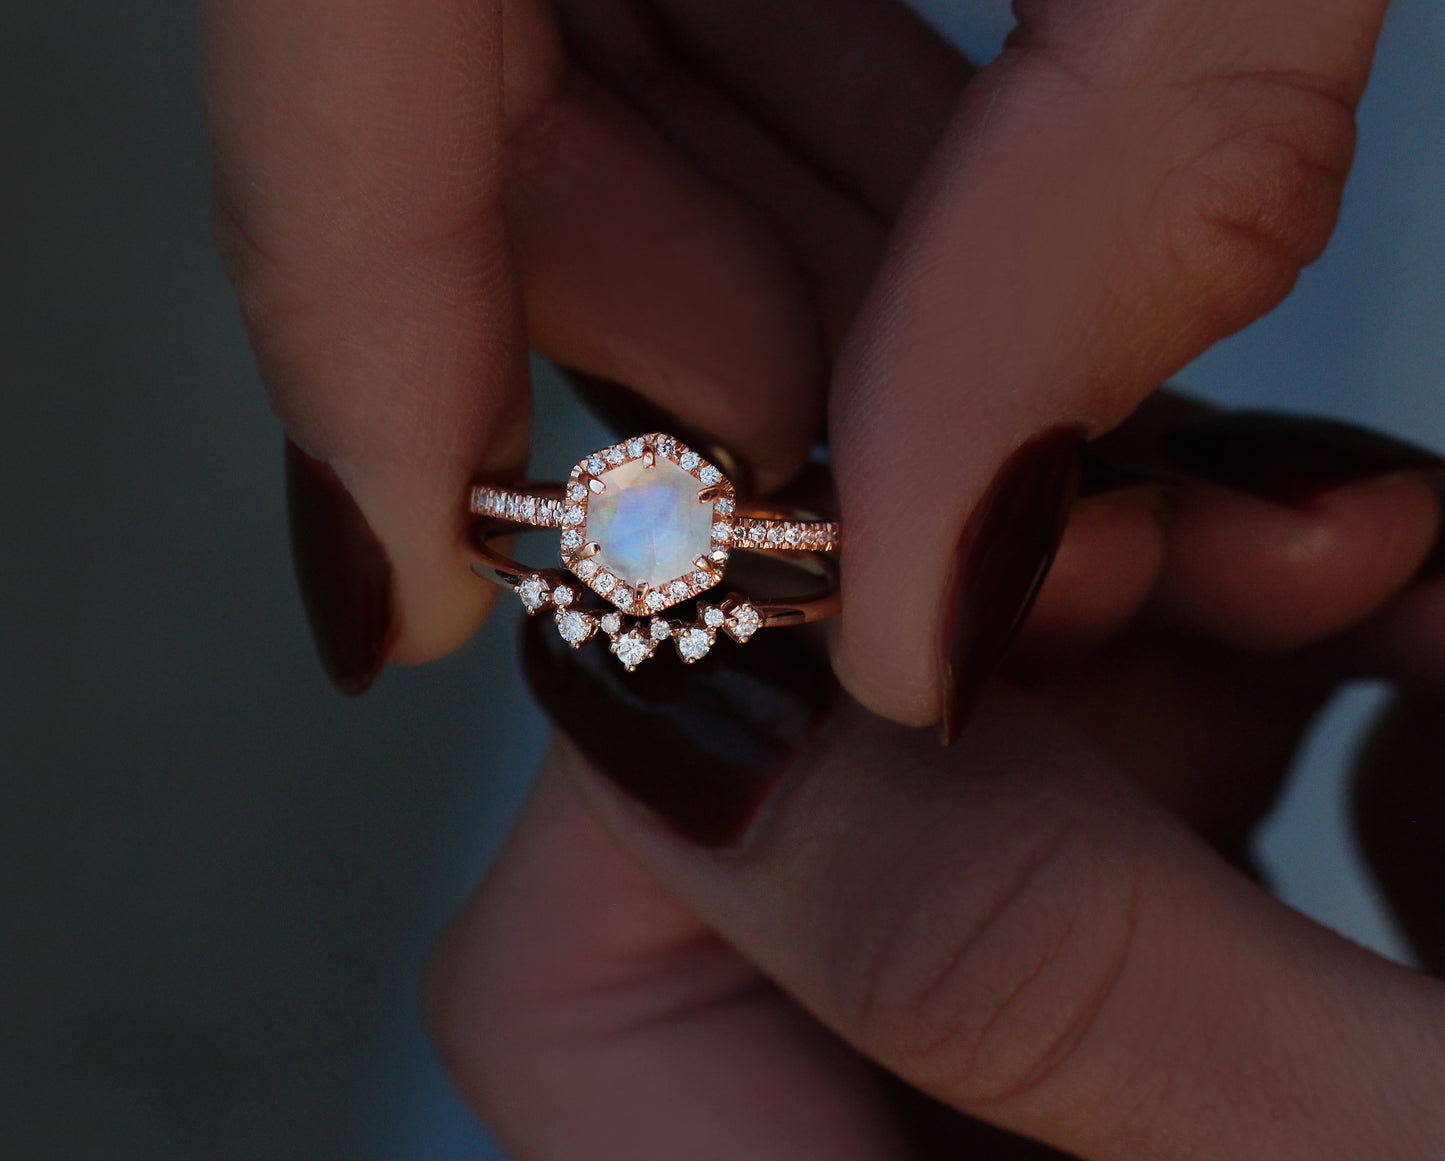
(863, 89)
(1271, 578)
(637, 270)
(358, 210)
(1010, 928)
(834, 241)
(1117, 191)
(583, 1012)
(1399, 804)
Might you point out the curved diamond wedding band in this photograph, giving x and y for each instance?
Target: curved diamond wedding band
(646, 524)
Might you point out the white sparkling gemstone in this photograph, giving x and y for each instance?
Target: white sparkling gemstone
(562, 596)
(702, 580)
(611, 624)
(694, 643)
(713, 618)
(622, 597)
(614, 456)
(660, 629)
(605, 583)
(775, 534)
(688, 461)
(724, 507)
(577, 491)
(709, 475)
(632, 648)
(746, 621)
(586, 569)
(721, 531)
(678, 590)
(656, 600)
(574, 514)
(665, 446)
(575, 627)
(572, 539)
(636, 446)
(533, 592)
(648, 523)
(595, 465)
(529, 508)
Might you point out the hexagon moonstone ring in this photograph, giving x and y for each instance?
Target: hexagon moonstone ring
(646, 524)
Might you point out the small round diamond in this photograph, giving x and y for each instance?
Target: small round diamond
(722, 531)
(694, 643)
(632, 648)
(636, 446)
(713, 618)
(660, 629)
(562, 596)
(595, 465)
(533, 592)
(665, 446)
(575, 514)
(577, 491)
(571, 539)
(724, 506)
(656, 600)
(611, 624)
(622, 596)
(586, 569)
(614, 456)
(575, 627)
(709, 474)
(745, 622)
(701, 580)
(605, 583)
(689, 461)
(678, 590)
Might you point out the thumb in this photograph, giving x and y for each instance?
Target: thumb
(1125, 185)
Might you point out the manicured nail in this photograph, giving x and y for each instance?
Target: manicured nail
(343, 573)
(1001, 560)
(627, 413)
(701, 746)
(1291, 459)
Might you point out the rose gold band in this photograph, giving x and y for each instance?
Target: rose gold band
(756, 527)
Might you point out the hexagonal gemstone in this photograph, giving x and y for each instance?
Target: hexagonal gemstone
(648, 523)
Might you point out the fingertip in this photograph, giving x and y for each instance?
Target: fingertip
(1269, 577)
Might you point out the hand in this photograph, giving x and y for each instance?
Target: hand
(1034, 927)
(667, 208)
(692, 200)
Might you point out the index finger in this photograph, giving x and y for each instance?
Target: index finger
(1124, 186)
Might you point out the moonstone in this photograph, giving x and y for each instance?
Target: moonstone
(648, 523)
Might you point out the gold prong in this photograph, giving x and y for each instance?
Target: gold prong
(649, 458)
(597, 486)
(709, 494)
(591, 548)
(702, 562)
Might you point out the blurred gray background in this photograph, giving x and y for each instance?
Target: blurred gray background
(221, 877)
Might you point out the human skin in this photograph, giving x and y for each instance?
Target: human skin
(659, 200)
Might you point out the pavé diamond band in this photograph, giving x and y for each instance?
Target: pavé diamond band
(646, 524)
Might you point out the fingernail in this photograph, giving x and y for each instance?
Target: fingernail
(1291, 459)
(1001, 560)
(627, 413)
(343, 573)
(700, 746)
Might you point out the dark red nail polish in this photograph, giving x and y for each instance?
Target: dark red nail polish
(343, 573)
(1001, 560)
(701, 746)
(1288, 458)
(627, 413)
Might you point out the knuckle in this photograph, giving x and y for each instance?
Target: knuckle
(986, 990)
(1256, 191)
